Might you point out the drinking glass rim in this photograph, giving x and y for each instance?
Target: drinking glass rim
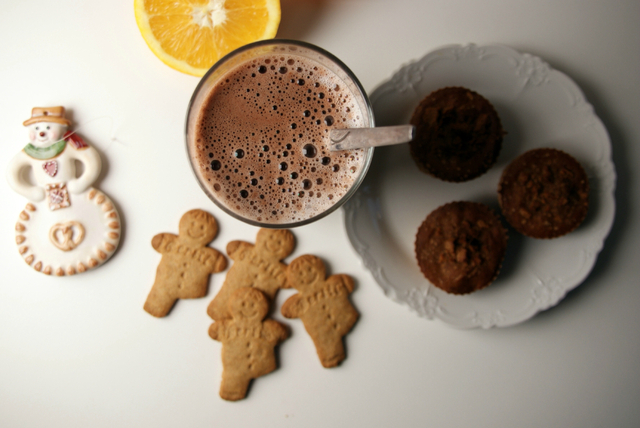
(332, 58)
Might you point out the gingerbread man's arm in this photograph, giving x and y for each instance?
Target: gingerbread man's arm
(234, 248)
(214, 260)
(342, 280)
(162, 242)
(281, 276)
(292, 307)
(216, 330)
(274, 332)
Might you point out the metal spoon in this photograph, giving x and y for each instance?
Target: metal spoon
(356, 138)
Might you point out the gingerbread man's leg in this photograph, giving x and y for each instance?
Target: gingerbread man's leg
(330, 349)
(160, 300)
(196, 287)
(234, 386)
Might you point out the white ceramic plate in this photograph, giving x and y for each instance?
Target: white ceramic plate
(539, 107)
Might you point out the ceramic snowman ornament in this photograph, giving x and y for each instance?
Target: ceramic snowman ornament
(68, 226)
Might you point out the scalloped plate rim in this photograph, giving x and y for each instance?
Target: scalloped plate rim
(425, 307)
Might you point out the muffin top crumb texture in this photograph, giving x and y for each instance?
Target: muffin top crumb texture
(544, 193)
(460, 247)
(458, 134)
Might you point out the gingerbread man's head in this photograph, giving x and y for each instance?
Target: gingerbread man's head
(278, 242)
(306, 273)
(248, 304)
(198, 227)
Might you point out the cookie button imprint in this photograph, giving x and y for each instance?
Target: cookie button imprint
(67, 227)
(544, 193)
(187, 262)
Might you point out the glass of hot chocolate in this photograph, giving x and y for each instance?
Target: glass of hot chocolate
(258, 128)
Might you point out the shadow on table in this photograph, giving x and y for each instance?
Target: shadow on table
(620, 156)
(299, 17)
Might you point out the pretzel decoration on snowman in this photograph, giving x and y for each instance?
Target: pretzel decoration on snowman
(68, 226)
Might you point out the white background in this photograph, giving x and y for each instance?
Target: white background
(80, 351)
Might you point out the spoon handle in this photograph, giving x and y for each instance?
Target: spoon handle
(356, 138)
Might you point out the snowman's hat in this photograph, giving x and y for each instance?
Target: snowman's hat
(47, 114)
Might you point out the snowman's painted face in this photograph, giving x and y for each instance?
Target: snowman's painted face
(43, 134)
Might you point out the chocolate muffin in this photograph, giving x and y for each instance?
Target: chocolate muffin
(544, 193)
(458, 134)
(460, 247)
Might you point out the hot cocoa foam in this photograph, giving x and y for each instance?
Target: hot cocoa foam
(261, 139)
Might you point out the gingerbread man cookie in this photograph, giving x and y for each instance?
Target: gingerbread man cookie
(247, 341)
(67, 227)
(183, 272)
(323, 306)
(256, 266)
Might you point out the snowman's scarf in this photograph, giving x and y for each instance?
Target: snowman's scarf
(43, 153)
(56, 148)
(75, 140)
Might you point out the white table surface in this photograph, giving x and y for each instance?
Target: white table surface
(80, 351)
